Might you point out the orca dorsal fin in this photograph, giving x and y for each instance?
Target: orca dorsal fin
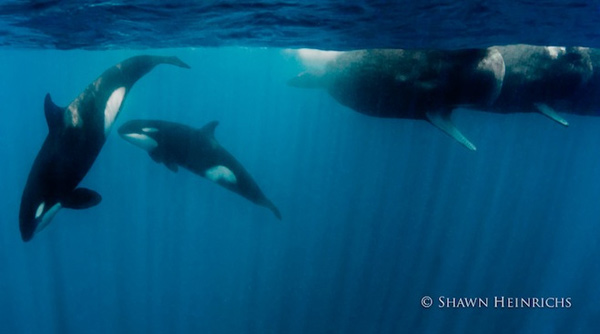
(54, 114)
(209, 128)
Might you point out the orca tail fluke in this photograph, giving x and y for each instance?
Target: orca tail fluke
(269, 205)
(176, 61)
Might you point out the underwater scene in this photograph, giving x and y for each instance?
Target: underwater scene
(299, 167)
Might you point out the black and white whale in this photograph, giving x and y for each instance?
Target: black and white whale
(196, 150)
(75, 137)
(414, 84)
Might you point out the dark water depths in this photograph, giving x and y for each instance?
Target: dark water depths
(376, 213)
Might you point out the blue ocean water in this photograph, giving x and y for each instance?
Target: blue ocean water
(377, 214)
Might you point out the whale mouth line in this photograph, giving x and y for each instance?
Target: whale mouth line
(140, 140)
(43, 219)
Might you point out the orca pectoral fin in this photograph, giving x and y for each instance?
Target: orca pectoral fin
(172, 166)
(155, 156)
(275, 211)
(81, 198)
(550, 113)
(441, 119)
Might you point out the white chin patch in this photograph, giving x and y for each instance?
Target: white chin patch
(46, 217)
(113, 105)
(141, 140)
(220, 173)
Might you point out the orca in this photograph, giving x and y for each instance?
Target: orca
(196, 150)
(76, 134)
(413, 84)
